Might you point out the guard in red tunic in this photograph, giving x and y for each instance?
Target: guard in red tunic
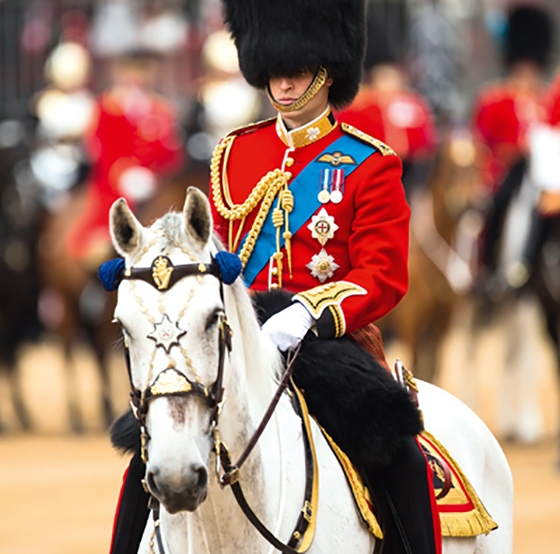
(316, 207)
(503, 115)
(132, 141)
(387, 109)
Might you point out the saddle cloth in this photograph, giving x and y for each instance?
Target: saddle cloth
(461, 512)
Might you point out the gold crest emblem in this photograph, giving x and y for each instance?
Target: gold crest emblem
(337, 158)
(161, 272)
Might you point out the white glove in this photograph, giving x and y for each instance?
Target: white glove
(287, 328)
(137, 183)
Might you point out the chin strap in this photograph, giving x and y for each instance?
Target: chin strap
(318, 81)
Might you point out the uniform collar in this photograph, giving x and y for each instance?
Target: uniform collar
(308, 133)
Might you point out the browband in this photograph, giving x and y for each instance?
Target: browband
(163, 274)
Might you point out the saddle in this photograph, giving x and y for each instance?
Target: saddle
(461, 511)
(351, 392)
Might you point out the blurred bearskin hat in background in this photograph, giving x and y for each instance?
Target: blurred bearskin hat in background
(284, 37)
(529, 36)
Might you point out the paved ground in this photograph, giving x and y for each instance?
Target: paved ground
(58, 492)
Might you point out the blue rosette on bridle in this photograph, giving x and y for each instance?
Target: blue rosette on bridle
(230, 266)
(109, 274)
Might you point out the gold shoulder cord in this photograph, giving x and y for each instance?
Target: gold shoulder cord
(266, 190)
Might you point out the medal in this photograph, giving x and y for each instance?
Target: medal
(336, 196)
(338, 181)
(322, 266)
(322, 227)
(324, 195)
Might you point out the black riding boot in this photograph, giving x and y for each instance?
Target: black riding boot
(402, 502)
(133, 512)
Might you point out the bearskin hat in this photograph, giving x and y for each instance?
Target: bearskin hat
(529, 36)
(284, 37)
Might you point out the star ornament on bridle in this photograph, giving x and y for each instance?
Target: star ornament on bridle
(167, 334)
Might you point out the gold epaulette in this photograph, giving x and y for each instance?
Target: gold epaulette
(251, 127)
(329, 296)
(384, 149)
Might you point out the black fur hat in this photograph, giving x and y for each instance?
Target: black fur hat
(283, 37)
(529, 36)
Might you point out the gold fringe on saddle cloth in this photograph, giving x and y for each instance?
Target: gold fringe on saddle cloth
(461, 512)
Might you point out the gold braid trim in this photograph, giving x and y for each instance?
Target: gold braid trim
(318, 81)
(266, 190)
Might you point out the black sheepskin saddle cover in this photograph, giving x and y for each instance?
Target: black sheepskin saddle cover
(357, 401)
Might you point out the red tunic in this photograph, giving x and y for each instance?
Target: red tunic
(501, 119)
(144, 133)
(401, 119)
(552, 102)
(370, 245)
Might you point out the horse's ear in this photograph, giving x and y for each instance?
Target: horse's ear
(198, 220)
(126, 230)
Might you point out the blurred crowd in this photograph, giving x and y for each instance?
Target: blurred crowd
(109, 98)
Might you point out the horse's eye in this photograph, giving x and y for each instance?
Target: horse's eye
(213, 319)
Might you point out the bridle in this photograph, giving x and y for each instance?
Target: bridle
(173, 383)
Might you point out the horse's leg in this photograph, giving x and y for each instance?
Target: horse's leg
(519, 413)
(16, 392)
(74, 412)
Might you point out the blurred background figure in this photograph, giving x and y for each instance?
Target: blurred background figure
(132, 141)
(225, 100)
(436, 59)
(64, 110)
(504, 114)
(517, 274)
(388, 109)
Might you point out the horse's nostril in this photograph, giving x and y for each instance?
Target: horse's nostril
(202, 477)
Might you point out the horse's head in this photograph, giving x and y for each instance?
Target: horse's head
(171, 310)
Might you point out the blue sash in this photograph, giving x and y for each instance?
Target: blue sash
(305, 188)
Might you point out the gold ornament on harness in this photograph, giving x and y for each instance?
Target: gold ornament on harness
(161, 272)
(170, 381)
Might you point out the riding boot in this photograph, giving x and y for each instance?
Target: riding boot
(404, 503)
(132, 510)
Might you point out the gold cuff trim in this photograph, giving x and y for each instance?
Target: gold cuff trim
(331, 294)
(318, 81)
(384, 149)
(338, 319)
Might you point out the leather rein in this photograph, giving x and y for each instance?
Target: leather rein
(172, 382)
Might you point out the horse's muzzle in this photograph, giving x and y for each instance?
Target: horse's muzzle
(186, 495)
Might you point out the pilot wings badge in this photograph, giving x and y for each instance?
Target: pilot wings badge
(337, 158)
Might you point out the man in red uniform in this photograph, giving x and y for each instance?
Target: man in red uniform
(504, 113)
(316, 207)
(132, 140)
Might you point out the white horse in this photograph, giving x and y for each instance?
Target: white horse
(179, 328)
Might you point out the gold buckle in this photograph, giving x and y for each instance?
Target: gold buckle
(307, 511)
